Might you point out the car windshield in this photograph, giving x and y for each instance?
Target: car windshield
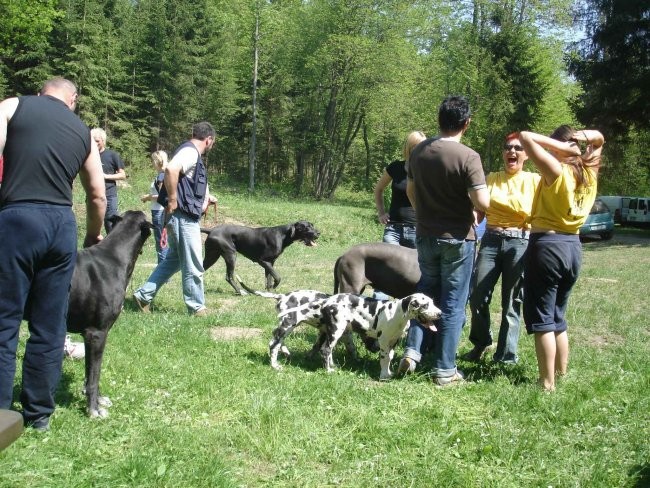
(599, 207)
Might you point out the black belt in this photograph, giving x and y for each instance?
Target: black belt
(518, 234)
(400, 224)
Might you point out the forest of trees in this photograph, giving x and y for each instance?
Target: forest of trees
(339, 83)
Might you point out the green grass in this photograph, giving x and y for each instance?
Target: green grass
(190, 410)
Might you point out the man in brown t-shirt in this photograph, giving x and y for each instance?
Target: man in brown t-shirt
(446, 184)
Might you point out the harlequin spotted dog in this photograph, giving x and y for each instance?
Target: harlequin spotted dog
(383, 320)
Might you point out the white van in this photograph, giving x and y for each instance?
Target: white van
(619, 206)
(639, 212)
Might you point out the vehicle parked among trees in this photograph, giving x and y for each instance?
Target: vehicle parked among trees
(599, 222)
(639, 211)
(619, 206)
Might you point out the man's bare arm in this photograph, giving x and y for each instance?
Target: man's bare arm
(92, 179)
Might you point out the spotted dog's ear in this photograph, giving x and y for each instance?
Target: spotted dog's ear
(406, 302)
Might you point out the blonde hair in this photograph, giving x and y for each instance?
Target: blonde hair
(159, 159)
(98, 133)
(413, 139)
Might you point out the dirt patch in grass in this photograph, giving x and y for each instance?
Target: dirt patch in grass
(234, 333)
(600, 341)
(226, 304)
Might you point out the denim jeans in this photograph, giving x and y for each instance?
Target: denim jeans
(498, 256)
(184, 255)
(111, 209)
(37, 255)
(446, 267)
(402, 235)
(399, 235)
(158, 220)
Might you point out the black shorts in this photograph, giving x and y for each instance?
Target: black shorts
(551, 266)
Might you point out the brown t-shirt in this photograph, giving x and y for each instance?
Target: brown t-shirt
(443, 172)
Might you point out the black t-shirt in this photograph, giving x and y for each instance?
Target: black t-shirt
(401, 211)
(47, 144)
(111, 163)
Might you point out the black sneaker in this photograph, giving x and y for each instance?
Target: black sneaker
(41, 424)
(474, 355)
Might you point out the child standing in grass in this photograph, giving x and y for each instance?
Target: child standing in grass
(159, 160)
(553, 258)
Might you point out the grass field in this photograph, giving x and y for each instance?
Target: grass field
(196, 403)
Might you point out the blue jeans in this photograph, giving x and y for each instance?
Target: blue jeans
(402, 235)
(38, 250)
(446, 267)
(184, 255)
(399, 235)
(111, 209)
(498, 256)
(158, 220)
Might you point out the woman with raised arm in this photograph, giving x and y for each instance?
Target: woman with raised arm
(563, 200)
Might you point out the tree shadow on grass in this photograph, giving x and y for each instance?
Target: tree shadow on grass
(68, 394)
(303, 358)
(639, 476)
(488, 370)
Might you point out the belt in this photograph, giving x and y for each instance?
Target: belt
(400, 224)
(509, 233)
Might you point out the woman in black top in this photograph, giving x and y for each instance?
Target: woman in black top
(400, 219)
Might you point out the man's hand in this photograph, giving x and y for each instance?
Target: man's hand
(172, 205)
(91, 240)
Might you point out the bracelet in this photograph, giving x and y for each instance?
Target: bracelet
(586, 138)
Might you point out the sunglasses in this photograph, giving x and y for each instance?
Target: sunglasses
(510, 147)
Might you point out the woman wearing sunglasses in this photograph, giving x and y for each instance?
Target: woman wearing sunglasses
(501, 254)
(552, 262)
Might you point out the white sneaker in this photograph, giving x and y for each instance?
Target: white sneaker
(74, 350)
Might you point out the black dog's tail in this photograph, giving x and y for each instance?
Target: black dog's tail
(205, 231)
(264, 294)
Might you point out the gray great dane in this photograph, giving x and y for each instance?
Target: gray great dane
(386, 267)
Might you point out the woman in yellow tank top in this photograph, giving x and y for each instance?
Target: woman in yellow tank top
(554, 254)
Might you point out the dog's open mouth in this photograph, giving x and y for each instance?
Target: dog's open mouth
(430, 325)
(309, 243)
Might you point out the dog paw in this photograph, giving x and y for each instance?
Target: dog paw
(385, 377)
(104, 401)
(276, 367)
(284, 350)
(99, 413)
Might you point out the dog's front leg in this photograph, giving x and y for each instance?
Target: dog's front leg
(386, 353)
(94, 342)
(385, 358)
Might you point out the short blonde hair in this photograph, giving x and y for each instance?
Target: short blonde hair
(413, 139)
(98, 133)
(159, 159)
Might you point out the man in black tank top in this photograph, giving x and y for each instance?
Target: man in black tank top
(45, 146)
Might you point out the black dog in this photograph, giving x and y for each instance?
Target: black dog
(386, 267)
(262, 245)
(101, 275)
